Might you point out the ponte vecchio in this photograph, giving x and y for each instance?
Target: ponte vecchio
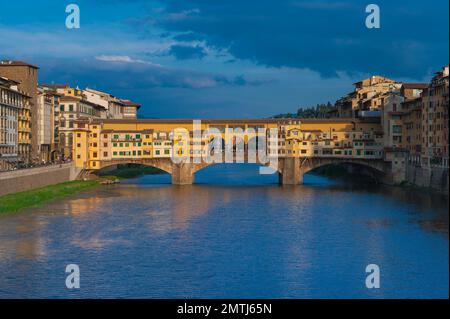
(181, 147)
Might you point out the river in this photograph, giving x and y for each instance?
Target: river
(234, 234)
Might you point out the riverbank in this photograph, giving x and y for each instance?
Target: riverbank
(354, 176)
(15, 202)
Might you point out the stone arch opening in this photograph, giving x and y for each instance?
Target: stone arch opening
(130, 170)
(348, 169)
(234, 174)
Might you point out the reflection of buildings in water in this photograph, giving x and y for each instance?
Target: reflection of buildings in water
(23, 237)
(182, 204)
(81, 206)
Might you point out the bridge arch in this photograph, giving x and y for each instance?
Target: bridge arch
(377, 169)
(164, 165)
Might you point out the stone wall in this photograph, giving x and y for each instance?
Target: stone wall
(27, 179)
(435, 178)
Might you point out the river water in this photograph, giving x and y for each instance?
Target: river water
(234, 234)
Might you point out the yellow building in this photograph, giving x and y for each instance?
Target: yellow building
(334, 138)
(24, 130)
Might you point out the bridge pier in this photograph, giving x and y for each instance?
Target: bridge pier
(291, 173)
(182, 174)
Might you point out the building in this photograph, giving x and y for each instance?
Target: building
(366, 97)
(11, 101)
(435, 106)
(412, 129)
(27, 77)
(72, 108)
(130, 109)
(116, 107)
(75, 103)
(47, 103)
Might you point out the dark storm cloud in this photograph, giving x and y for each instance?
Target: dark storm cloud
(186, 52)
(321, 35)
(122, 72)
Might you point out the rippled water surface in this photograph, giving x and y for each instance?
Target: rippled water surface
(234, 234)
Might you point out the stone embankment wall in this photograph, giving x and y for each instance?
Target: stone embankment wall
(27, 179)
(435, 178)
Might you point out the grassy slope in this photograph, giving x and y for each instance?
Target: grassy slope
(14, 202)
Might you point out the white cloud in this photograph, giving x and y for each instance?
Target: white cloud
(123, 59)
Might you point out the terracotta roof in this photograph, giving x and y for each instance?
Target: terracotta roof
(16, 63)
(9, 80)
(65, 98)
(238, 121)
(56, 86)
(130, 103)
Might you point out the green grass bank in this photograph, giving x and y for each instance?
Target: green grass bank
(14, 202)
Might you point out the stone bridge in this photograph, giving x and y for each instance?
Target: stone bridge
(290, 170)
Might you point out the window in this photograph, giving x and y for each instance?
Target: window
(166, 152)
(70, 107)
(61, 107)
(105, 154)
(138, 136)
(157, 152)
(94, 155)
(115, 144)
(116, 137)
(115, 153)
(78, 135)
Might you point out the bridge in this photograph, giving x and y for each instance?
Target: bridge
(289, 147)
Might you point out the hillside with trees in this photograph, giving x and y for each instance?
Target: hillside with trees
(317, 112)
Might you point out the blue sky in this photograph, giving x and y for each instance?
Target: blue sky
(225, 58)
